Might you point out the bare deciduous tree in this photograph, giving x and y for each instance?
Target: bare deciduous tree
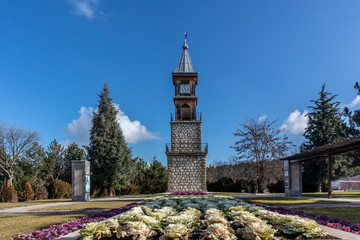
(260, 142)
(14, 144)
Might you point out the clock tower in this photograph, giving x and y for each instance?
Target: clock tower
(186, 154)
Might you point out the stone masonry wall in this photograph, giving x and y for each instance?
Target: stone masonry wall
(186, 172)
(186, 136)
(186, 159)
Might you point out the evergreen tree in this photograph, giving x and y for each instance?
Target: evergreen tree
(155, 180)
(353, 118)
(325, 126)
(72, 152)
(52, 164)
(353, 129)
(141, 169)
(157, 171)
(110, 157)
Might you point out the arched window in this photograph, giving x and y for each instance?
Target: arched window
(185, 112)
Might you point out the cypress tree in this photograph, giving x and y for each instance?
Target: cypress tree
(325, 126)
(110, 157)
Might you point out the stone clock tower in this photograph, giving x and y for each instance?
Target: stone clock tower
(186, 155)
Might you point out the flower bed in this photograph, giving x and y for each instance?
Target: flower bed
(56, 231)
(202, 217)
(188, 193)
(336, 223)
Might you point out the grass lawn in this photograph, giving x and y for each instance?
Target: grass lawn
(38, 202)
(88, 206)
(30, 203)
(13, 225)
(239, 193)
(286, 201)
(141, 195)
(231, 193)
(350, 195)
(345, 213)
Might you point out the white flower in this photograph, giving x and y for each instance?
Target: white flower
(176, 230)
(218, 231)
(135, 229)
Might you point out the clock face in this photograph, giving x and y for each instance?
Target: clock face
(185, 88)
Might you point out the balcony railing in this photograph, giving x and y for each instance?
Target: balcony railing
(186, 147)
(174, 117)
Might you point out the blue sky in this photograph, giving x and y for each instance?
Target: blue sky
(255, 58)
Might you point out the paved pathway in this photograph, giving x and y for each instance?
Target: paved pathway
(28, 209)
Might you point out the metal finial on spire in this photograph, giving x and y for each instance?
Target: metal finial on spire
(185, 64)
(185, 46)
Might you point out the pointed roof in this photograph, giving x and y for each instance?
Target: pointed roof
(185, 64)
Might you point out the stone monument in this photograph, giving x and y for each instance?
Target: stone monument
(186, 155)
(80, 181)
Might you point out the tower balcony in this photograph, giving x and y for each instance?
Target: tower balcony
(177, 117)
(186, 147)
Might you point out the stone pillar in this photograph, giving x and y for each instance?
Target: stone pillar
(294, 172)
(80, 181)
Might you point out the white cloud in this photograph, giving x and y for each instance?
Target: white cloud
(353, 103)
(85, 8)
(296, 122)
(79, 129)
(262, 118)
(133, 130)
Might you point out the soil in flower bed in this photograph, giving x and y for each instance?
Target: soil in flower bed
(198, 233)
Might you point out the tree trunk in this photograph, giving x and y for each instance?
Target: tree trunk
(260, 188)
(9, 180)
(318, 187)
(110, 191)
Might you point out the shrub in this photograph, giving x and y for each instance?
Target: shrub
(61, 189)
(8, 194)
(40, 190)
(129, 189)
(28, 193)
(153, 186)
(277, 187)
(228, 185)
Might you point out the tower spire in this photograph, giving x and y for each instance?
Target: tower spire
(185, 65)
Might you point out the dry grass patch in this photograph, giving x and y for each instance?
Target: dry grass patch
(101, 205)
(31, 203)
(14, 225)
(348, 195)
(345, 213)
(286, 201)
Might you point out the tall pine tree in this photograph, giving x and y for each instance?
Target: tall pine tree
(325, 126)
(110, 157)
